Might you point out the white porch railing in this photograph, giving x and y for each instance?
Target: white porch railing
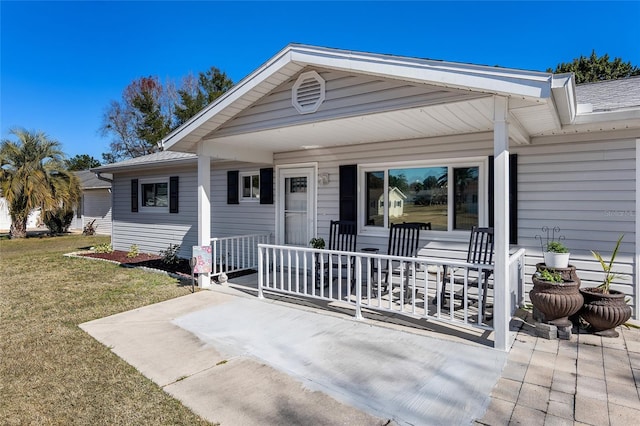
(360, 279)
(236, 253)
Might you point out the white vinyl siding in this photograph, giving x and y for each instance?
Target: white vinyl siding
(155, 231)
(97, 206)
(237, 219)
(587, 188)
(345, 95)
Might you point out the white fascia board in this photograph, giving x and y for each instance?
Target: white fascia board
(563, 87)
(446, 74)
(608, 116)
(236, 92)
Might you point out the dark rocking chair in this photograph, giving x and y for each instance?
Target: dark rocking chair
(404, 239)
(342, 237)
(481, 245)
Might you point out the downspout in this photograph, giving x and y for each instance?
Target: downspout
(99, 176)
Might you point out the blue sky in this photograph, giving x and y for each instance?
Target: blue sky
(62, 62)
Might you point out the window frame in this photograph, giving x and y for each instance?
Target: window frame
(250, 174)
(153, 209)
(450, 163)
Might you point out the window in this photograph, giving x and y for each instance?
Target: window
(448, 196)
(250, 186)
(155, 194)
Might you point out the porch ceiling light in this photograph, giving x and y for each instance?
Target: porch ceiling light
(307, 94)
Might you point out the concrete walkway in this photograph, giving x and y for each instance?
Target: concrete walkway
(235, 359)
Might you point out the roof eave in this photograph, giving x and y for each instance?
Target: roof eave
(109, 168)
(483, 79)
(563, 88)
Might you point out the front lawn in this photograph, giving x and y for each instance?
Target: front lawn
(52, 372)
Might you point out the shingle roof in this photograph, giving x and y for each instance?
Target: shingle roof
(148, 160)
(610, 95)
(88, 180)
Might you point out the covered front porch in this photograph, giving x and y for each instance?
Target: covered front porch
(330, 122)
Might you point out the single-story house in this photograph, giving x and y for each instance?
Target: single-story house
(318, 130)
(95, 203)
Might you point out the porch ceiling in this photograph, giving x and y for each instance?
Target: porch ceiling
(462, 117)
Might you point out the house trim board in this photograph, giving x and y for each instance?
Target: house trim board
(637, 242)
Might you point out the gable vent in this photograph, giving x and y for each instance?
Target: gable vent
(307, 94)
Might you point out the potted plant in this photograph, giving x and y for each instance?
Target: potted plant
(556, 255)
(317, 243)
(605, 309)
(555, 296)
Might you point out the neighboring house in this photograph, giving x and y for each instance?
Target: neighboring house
(33, 221)
(321, 129)
(396, 203)
(95, 203)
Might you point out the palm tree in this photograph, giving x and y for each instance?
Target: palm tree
(33, 175)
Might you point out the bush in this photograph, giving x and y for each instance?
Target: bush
(103, 248)
(170, 255)
(134, 251)
(58, 221)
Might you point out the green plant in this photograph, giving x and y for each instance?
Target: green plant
(134, 251)
(317, 243)
(609, 275)
(103, 248)
(170, 255)
(551, 276)
(556, 247)
(58, 221)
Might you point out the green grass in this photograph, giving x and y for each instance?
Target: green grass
(51, 371)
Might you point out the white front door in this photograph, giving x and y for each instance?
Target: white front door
(296, 207)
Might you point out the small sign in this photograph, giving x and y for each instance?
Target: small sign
(202, 254)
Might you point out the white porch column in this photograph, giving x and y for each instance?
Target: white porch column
(501, 311)
(204, 208)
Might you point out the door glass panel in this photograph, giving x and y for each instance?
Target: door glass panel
(465, 180)
(296, 211)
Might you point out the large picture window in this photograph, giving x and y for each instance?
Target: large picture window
(447, 196)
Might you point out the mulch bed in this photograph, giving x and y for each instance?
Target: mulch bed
(144, 259)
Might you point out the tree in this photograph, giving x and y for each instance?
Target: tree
(139, 121)
(596, 68)
(33, 175)
(81, 162)
(198, 93)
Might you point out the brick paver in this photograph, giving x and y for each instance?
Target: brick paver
(588, 380)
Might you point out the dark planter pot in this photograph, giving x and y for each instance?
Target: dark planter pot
(556, 301)
(568, 273)
(604, 312)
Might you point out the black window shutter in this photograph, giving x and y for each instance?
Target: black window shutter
(232, 187)
(173, 194)
(266, 186)
(348, 192)
(134, 195)
(513, 197)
